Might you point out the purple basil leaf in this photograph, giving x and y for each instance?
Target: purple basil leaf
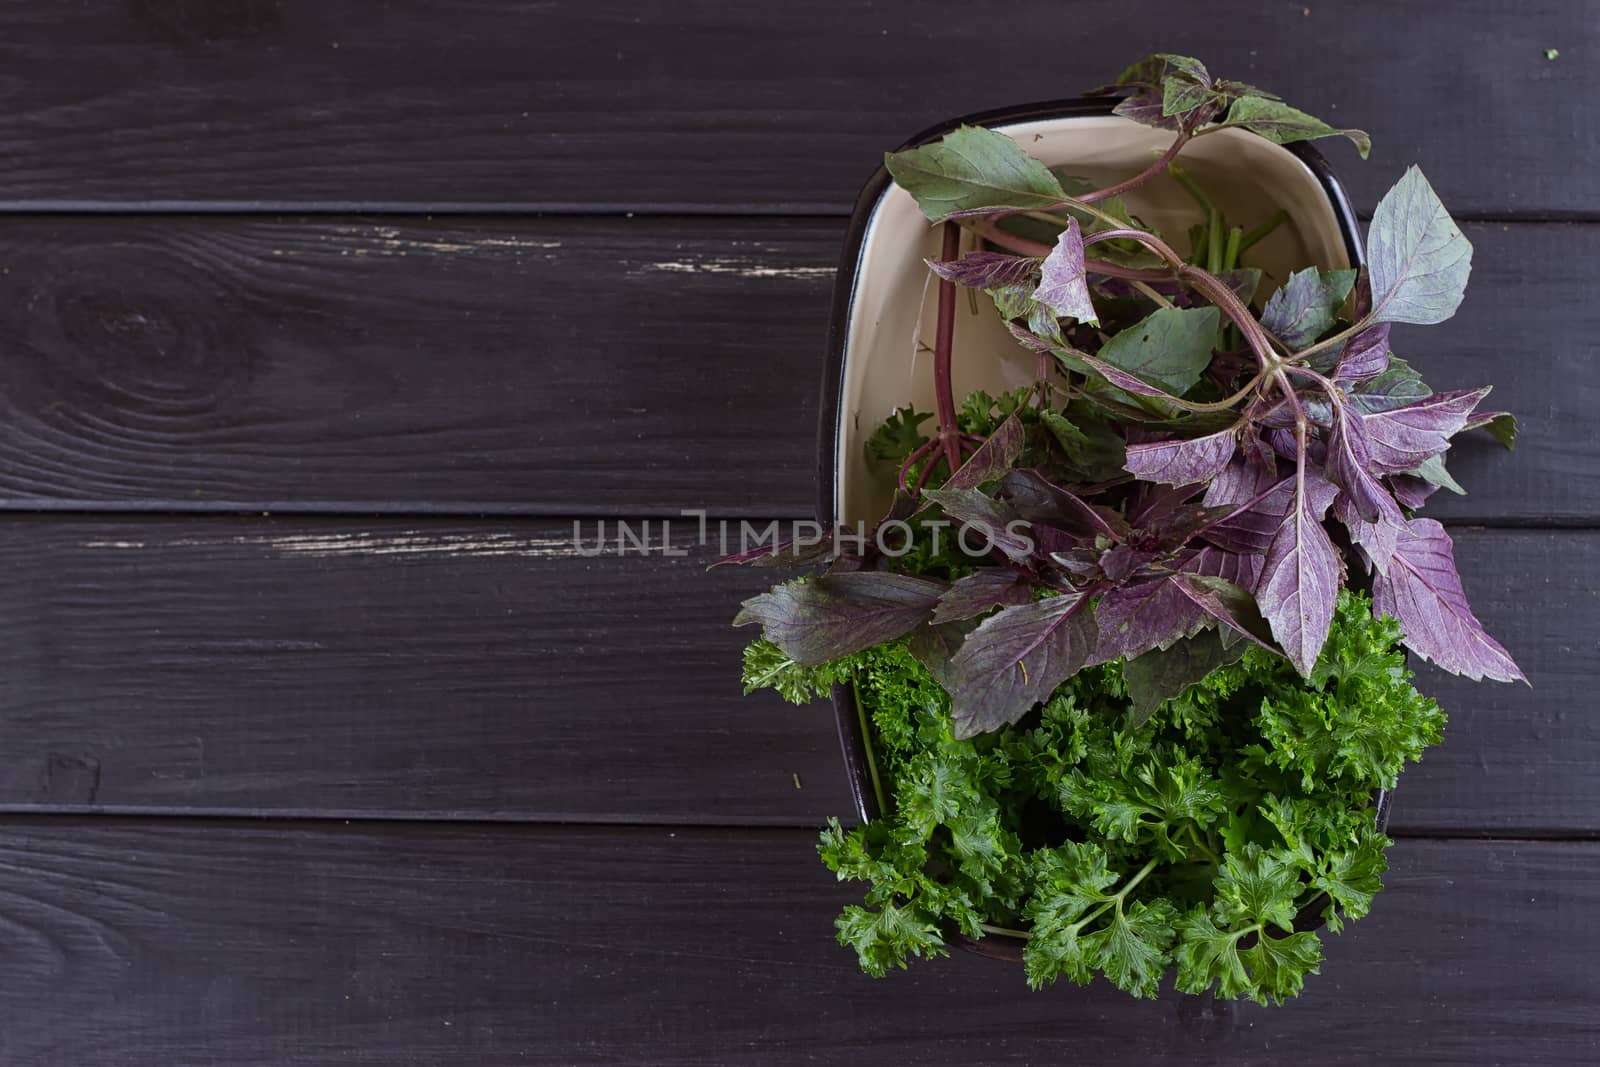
(1183, 97)
(1300, 580)
(1282, 124)
(1242, 569)
(1137, 618)
(1175, 528)
(1169, 348)
(1283, 442)
(971, 171)
(1014, 301)
(1118, 289)
(1145, 107)
(1230, 604)
(1258, 453)
(1366, 355)
(785, 554)
(1028, 339)
(834, 615)
(1244, 281)
(1502, 426)
(984, 588)
(1280, 416)
(1163, 673)
(986, 270)
(1361, 302)
(1062, 286)
(1232, 88)
(1377, 540)
(1153, 502)
(1015, 658)
(1037, 499)
(1411, 491)
(1183, 462)
(1423, 591)
(935, 646)
(993, 458)
(1400, 439)
(1416, 256)
(1432, 470)
(1350, 467)
(1004, 531)
(1115, 375)
(1253, 530)
(1080, 561)
(1305, 307)
(1120, 561)
(1238, 483)
(1397, 386)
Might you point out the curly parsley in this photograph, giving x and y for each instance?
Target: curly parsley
(1205, 841)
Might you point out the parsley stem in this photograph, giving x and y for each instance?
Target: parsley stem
(990, 928)
(1194, 835)
(1200, 242)
(866, 743)
(1256, 233)
(1135, 880)
(1154, 296)
(1214, 242)
(1192, 187)
(944, 395)
(1230, 255)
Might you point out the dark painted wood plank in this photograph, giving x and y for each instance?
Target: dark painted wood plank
(569, 367)
(725, 107)
(484, 671)
(488, 671)
(135, 943)
(566, 366)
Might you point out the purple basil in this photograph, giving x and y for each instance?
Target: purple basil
(1423, 591)
(1183, 461)
(836, 614)
(986, 270)
(1062, 285)
(1015, 658)
(1158, 486)
(984, 588)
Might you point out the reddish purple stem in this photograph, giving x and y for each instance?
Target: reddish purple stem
(923, 451)
(1143, 176)
(943, 388)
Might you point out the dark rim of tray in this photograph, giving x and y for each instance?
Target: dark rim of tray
(848, 718)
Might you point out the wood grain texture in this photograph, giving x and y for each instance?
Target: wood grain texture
(571, 367)
(717, 107)
(565, 366)
(488, 671)
(133, 943)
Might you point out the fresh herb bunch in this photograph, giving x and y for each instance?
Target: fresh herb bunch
(1172, 480)
(1141, 720)
(1196, 839)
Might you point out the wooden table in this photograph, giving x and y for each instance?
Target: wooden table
(322, 324)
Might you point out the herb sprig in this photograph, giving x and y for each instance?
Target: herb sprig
(1140, 723)
(1205, 842)
(1249, 445)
